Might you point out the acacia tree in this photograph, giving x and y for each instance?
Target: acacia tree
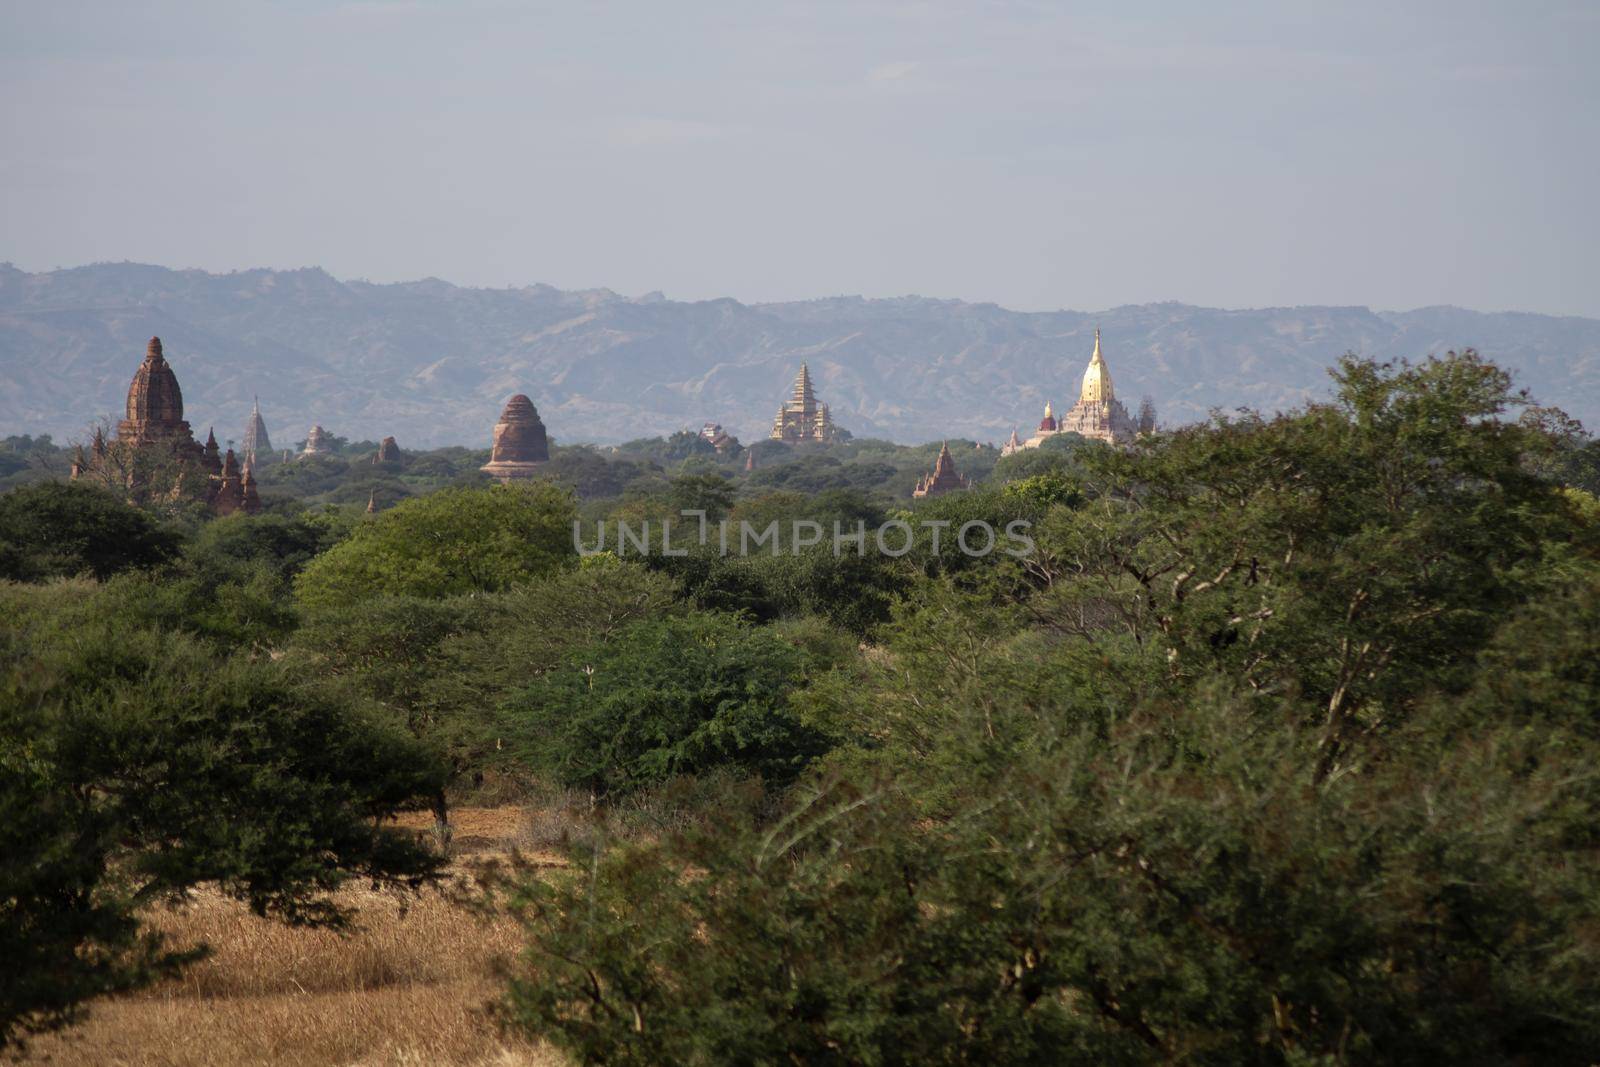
(158, 476)
(1287, 757)
(135, 765)
(1031, 864)
(1354, 554)
(444, 665)
(1028, 862)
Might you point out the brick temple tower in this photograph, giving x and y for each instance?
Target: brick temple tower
(154, 455)
(520, 443)
(944, 478)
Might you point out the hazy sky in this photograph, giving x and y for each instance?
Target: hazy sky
(1037, 155)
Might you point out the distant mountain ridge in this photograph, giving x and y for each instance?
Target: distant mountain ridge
(432, 363)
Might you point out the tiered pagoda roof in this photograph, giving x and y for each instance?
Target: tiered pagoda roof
(944, 478)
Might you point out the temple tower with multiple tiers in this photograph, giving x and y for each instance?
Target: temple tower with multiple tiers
(155, 406)
(802, 418)
(154, 455)
(255, 446)
(944, 478)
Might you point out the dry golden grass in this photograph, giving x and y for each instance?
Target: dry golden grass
(407, 988)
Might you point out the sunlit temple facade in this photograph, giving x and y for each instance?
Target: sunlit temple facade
(802, 419)
(1098, 414)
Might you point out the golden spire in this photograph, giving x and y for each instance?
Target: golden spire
(1047, 412)
(1097, 378)
(802, 397)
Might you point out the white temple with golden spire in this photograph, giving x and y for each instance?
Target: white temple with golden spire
(1097, 415)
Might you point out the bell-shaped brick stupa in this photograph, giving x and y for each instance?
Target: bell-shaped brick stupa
(520, 445)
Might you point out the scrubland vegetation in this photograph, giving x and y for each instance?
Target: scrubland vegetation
(407, 986)
(1282, 747)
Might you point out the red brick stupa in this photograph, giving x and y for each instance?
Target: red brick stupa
(520, 445)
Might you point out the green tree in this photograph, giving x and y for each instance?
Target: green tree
(1357, 553)
(1283, 753)
(1544, 662)
(451, 541)
(679, 446)
(285, 543)
(1040, 492)
(135, 765)
(592, 475)
(231, 584)
(443, 664)
(61, 529)
(710, 493)
(1061, 454)
(1072, 883)
(665, 697)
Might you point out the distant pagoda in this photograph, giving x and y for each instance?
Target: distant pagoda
(714, 435)
(520, 444)
(255, 446)
(154, 455)
(155, 406)
(319, 442)
(944, 478)
(388, 452)
(236, 490)
(802, 419)
(1097, 415)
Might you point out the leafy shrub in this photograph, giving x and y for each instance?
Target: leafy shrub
(452, 541)
(61, 529)
(1174, 892)
(666, 697)
(135, 765)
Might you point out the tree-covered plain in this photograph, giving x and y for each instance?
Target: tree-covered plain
(1280, 746)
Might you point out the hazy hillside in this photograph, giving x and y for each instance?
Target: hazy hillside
(431, 363)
